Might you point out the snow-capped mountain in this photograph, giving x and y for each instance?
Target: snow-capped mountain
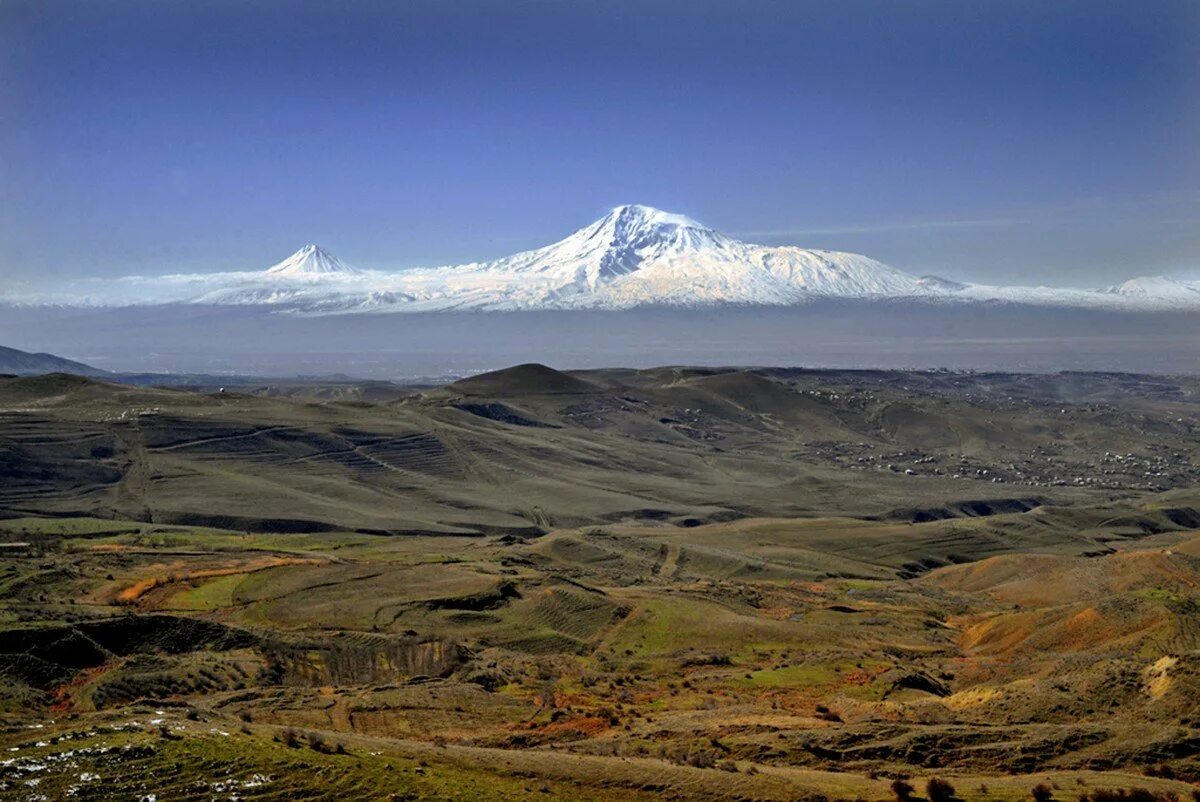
(311, 260)
(1161, 288)
(633, 256)
(637, 255)
(307, 278)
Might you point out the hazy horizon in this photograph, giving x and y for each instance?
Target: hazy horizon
(829, 334)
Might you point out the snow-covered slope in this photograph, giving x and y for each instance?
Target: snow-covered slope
(308, 277)
(633, 256)
(1158, 288)
(311, 260)
(638, 256)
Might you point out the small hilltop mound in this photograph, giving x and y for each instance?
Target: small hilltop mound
(72, 390)
(51, 387)
(51, 383)
(520, 380)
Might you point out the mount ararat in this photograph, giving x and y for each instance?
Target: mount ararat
(636, 256)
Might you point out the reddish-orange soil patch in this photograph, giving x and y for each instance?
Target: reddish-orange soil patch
(137, 590)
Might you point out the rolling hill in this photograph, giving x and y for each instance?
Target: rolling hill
(690, 583)
(23, 363)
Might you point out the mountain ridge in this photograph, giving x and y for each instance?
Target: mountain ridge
(24, 363)
(634, 256)
(638, 255)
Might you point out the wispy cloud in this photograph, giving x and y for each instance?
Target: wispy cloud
(898, 225)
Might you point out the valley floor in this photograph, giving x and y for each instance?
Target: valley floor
(602, 585)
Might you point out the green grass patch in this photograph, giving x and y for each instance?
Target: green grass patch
(239, 766)
(215, 594)
(67, 527)
(792, 676)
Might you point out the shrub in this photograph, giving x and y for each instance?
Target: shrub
(902, 789)
(1041, 793)
(1132, 795)
(939, 790)
(1145, 795)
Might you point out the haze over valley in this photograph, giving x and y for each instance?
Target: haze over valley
(639, 287)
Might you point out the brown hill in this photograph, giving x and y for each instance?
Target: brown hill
(528, 379)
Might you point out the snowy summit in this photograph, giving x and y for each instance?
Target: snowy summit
(311, 260)
(638, 255)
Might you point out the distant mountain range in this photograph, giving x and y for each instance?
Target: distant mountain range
(633, 257)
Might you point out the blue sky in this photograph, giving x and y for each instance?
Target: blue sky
(1050, 142)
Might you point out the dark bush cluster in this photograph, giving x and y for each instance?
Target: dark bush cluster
(902, 789)
(938, 790)
(1042, 793)
(1131, 795)
(289, 737)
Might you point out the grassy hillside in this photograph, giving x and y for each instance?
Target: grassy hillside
(670, 583)
(530, 449)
